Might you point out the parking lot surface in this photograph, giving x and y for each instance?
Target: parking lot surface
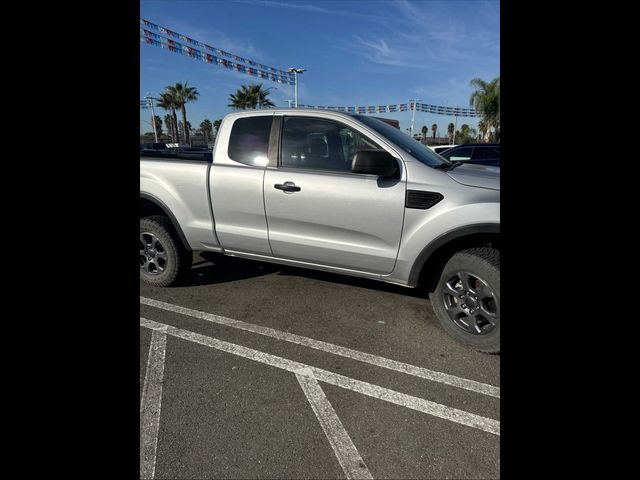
(254, 370)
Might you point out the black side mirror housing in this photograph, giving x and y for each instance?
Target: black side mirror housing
(375, 162)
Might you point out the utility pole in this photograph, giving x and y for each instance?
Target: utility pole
(295, 72)
(413, 116)
(455, 128)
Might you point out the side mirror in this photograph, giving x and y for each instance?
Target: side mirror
(374, 162)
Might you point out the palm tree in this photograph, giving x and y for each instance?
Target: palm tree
(483, 128)
(250, 96)
(466, 134)
(168, 121)
(486, 101)
(216, 124)
(206, 127)
(424, 131)
(168, 102)
(183, 94)
(158, 125)
(434, 129)
(450, 130)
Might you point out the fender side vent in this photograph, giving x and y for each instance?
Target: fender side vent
(422, 200)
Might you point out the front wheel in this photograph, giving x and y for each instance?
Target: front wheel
(467, 298)
(163, 259)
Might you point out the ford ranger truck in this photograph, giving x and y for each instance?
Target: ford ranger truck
(338, 192)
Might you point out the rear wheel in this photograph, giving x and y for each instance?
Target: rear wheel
(163, 258)
(467, 298)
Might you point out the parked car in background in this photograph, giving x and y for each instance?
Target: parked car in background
(150, 149)
(441, 148)
(477, 153)
(202, 152)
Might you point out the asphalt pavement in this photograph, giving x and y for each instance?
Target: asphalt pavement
(254, 370)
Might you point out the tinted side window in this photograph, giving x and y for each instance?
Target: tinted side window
(249, 140)
(315, 143)
(486, 153)
(462, 154)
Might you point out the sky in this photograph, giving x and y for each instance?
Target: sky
(356, 52)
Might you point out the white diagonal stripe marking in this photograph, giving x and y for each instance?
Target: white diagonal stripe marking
(348, 456)
(151, 403)
(416, 371)
(421, 405)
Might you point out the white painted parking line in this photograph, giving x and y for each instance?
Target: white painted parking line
(151, 403)
(421, 372)
(346, 452)
(421, 405)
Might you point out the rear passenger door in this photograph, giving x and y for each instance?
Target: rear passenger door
(235, 183)
(319, 212)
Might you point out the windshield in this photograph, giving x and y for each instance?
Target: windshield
(405, 142)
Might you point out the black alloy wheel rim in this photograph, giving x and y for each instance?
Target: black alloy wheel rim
(153, 256)
(471, 303)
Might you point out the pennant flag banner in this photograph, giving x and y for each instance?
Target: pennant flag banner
(404, 107)
(222, 53)
(156, 40)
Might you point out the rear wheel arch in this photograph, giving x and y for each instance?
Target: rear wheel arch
(432, 259)
(150, 205)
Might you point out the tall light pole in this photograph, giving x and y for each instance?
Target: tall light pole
(150, 100)
(413, 116)
(295, 72)
(141, 132)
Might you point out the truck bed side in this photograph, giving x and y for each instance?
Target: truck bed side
(181, 187)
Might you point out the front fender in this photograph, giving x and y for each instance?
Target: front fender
(425, 233)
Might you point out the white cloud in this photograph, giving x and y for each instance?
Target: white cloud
(314, 9)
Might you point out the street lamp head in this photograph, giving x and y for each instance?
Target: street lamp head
(296, 70)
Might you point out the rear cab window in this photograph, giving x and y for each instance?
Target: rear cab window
(249, 140)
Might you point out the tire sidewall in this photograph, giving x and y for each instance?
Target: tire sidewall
(489, 343)
(159, 228)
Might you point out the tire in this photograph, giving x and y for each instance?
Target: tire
(470, 311)
(163, 259)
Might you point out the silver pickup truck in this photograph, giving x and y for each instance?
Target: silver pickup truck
(332, 191)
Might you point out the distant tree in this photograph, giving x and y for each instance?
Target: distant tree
(450, 130)
(466, 134)
(486, 101)
(168, 121)
(158, 121)
(483, 129)
(168, 103)
(206, 127)
(216, 124)
(434, 129)
(182, 94)
(250, 97)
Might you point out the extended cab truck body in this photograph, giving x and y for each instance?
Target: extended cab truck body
(337, 192)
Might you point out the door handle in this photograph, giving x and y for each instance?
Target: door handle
(287, 187)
